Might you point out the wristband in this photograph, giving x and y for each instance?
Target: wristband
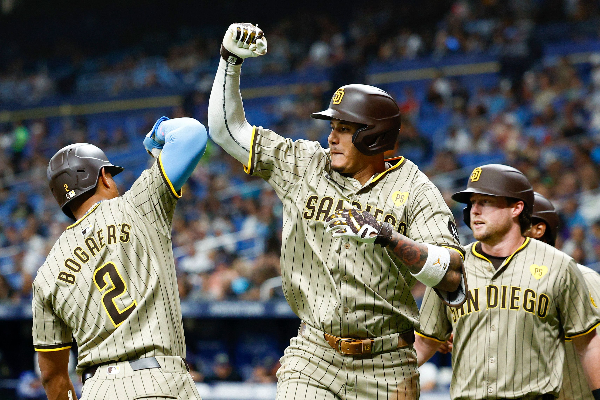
(596, 394)
(436, 266)
(230, 57)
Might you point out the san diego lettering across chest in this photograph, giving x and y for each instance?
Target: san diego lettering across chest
(503, 297)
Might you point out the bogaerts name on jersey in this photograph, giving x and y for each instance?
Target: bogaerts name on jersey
(92, 245)
(504, 297)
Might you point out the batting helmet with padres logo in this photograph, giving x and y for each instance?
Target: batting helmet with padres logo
(498, 180)
(544, 211)
(371, 107)
(74, 170)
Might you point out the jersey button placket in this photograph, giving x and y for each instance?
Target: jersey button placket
(492, 354)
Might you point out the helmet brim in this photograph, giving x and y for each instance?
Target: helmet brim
(464, 196)
(330, 114)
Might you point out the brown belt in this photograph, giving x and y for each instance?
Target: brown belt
(356, 347)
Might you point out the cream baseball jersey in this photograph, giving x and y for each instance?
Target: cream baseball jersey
(341, 286)
(575, 386)
(509, 334)
(109, 281)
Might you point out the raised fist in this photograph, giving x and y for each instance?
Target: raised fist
(245, 40)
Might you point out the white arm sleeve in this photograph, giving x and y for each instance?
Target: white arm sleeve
(227, 123)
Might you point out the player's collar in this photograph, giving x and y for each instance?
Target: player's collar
(506, 261)
(390, 163)
(92, 208)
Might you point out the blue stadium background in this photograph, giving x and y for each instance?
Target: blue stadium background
(516, 82)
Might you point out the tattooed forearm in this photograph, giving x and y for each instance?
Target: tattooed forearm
(411, 253)
(414, 255)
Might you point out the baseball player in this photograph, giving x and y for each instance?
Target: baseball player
(545, 228)
(357, 232)
(108, 283)
(523, 298)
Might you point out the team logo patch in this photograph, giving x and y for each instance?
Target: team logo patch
(112, 370)
(476, 174)
(538, 271)
(453, 231)
(399, 198)
(337, 96)
(592, 300)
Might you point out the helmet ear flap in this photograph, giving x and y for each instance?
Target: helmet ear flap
(467, 215)
(361, 144)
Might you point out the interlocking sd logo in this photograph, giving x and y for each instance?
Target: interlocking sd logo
(476, 174)
(337, 96)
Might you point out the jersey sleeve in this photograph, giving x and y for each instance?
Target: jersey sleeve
(592, 280)
(433, 320)
(429, 218)
(50, 333)
(154, 196)
(575, 304)
(278, 160)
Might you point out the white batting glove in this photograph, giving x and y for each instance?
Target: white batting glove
(244, 40)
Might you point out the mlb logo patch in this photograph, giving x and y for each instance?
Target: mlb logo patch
(87, 231)
(112, 370)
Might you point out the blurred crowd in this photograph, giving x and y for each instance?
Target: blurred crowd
(380, 31)
(542, 117)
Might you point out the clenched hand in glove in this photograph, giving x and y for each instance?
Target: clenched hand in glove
(360, 225)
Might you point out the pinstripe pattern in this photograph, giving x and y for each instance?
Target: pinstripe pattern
(508, 336)
(575, 385)
(171, 381)
(311, 369)
(338, 285)
(109, 281)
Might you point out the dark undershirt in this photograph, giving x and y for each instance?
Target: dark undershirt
(496, 261)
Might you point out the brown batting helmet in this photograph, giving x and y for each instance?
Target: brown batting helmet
(496, 180)
(545, 211)
(368, 106)
(74, 170)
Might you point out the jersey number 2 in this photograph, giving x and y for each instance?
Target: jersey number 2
(110, 283)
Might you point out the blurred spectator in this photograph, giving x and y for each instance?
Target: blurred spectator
(6, 292)
(22, 209)
(578, 246)
(223, 370)
(595, 239)
(265, 371)
(413, 145)
(20, 137)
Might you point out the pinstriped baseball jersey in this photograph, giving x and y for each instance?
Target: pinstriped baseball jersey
(341, 286)
(575, 386)
(508, 336)
(109, 281)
